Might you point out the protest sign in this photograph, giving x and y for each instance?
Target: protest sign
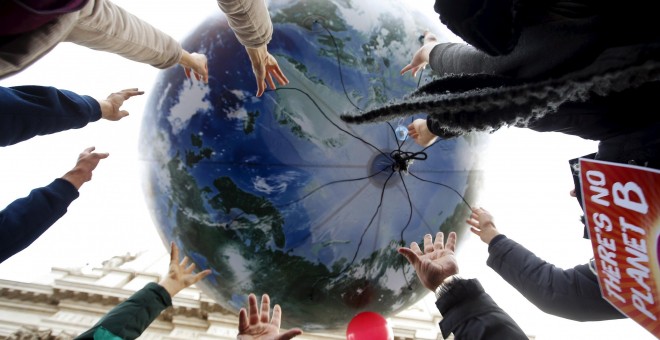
(622, 211)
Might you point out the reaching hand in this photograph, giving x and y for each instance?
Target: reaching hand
(481, 222)
(258, 326)
(422, 56)
(197, 64)
(87, 162)
(180, 274)
(110, 106)
(436, 263)
(265, 67)
(418, 130)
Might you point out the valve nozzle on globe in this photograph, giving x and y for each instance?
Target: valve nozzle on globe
(401, 132)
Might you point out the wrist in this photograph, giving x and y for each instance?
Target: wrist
(426, 54)
(106, 108)
(257, 53)
(495, 239)
(430, 47)
(170, 287)
(490, 238)
(75, 177)
(444, 286)
(186, 59)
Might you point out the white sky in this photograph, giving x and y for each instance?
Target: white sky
(526, 188)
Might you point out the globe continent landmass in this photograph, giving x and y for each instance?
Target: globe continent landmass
(276, 194)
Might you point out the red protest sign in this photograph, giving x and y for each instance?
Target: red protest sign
(622, 210)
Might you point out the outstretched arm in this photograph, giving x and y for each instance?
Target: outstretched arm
(130, 318)
(104, 26)
(25, 219)
(569, 293)
(449, 58)
(250, 21)
(29, 111)
(467, 311)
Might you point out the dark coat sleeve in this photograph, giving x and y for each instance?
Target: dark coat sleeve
(573, 45)
(470, 313)
(489, 25)
(130, 318)
(25, 219)
(569, 293)
(28, 111)
(496, 27)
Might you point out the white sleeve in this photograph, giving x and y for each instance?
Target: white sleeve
(250, 21)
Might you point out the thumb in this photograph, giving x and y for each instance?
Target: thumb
(290, 334)
(201, 275)
(409, 255)
(406, 69)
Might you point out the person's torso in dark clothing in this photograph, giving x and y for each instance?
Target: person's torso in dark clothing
(22, 16)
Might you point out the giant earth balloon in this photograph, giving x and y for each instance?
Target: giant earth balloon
(276, 194)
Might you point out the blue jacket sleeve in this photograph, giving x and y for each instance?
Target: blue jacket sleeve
(25, 219)
(130, 318)
(470, 313)
(568, 293)
(28, 111)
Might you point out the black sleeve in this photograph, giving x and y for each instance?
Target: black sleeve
(470, 313)
(489, 25)
(569, 293)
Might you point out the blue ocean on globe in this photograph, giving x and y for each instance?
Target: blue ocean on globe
(276, 194)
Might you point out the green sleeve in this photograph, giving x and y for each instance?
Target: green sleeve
(130, 318)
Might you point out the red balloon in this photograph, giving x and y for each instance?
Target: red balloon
(369, 326)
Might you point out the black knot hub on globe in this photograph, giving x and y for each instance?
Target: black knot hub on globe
(402, 160)
(384, 166)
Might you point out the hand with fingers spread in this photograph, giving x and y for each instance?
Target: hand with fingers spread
(481, 223)
(419, 132)
(87, 162)
(181, 274)
(254, 324)
(110, 106)
(421, 57)
(436, 263)
(265, 67)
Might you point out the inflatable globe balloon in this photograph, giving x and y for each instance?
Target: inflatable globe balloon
(276, 194)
